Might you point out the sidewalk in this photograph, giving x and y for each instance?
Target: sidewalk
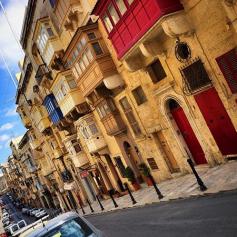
(219, 178)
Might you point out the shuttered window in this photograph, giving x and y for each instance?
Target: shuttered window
(228, 66)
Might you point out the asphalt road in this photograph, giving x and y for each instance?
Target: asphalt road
(197, 217)
(15, 213)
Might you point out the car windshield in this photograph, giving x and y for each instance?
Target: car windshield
(73, 228)
(14, 228)
(21, 224)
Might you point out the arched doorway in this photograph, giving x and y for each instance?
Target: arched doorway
(186, 131)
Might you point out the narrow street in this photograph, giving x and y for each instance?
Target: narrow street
(207, 216)
(16, 214)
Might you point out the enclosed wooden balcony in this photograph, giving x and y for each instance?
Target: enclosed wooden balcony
(24, 118)
(57, 152)
(128, 21)
(43, 76)
(69, 96)
(80, 159)
(89, 130)
(41, 119)
(68, 13)
(89, 59)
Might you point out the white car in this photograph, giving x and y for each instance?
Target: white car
(41, 214)
(13, 229)
(21, 224)
(5, 215)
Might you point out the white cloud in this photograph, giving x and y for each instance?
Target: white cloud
(11, 112)
(4, 137)
(7, 126)
(15, 11)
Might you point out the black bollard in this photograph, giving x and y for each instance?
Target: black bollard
(101, 206)
(130, 194)
(90, 205)
(160, 196)
(199, 180)
(111, 196)
(82, 209)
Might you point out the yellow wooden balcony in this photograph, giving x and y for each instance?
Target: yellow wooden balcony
(70, 101)
(43, 124)
(26, 121)
(57, 153)
(34, 144)
(80, 159)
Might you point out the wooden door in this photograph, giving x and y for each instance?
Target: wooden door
(188, 135)
(218, 121)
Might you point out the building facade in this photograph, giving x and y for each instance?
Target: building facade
(112, 84)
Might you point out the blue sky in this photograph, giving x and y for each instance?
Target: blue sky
(10, 123)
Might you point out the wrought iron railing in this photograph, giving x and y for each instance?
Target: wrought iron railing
(195, 77)
(42, 71)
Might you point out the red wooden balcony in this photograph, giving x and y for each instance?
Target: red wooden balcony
(129, 20)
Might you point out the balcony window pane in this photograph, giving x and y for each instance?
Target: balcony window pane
(78, 69)
(64, 89)
(91, 35)
(89, 54)
(71, 82)
(93, 129)
(107, 23)
(85, 59)
(113, 13)
(75, 72)
(79, 46)
(83, 41)
(121, 6)
(97, 48)
(77, 148)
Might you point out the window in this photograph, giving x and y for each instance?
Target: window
(152, 163)
(121, 6)
(156, 71)
(77, 148)
(82, 66)
(130, 116)
(93, 129)
(113, 13)
(64, 89)
(139, 95)
(228, 66)
(49, 30)
(89, 54)
(78, 69)
(52, 3)
(195, 76)
(71, 82)
(83, 41)
(85, 133)
(107, 23)
(97, 48)
(91, 35)
(85, 59)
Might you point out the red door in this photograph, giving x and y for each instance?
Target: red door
(188, 135)
(218, 121)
